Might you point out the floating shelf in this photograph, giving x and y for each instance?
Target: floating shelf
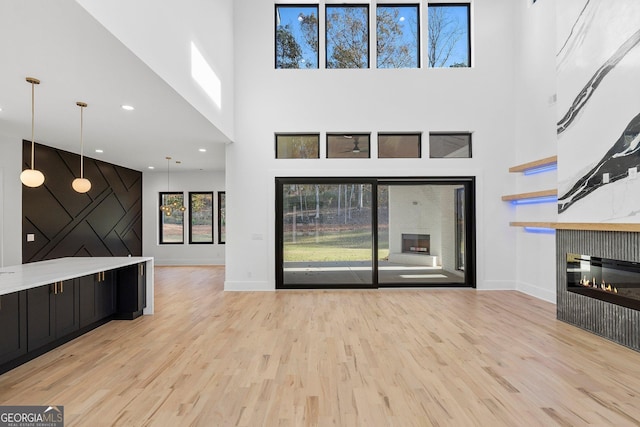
(531, 195)
(536, 164)
(589, 226)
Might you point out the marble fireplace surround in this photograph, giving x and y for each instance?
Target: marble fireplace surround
(611, 321)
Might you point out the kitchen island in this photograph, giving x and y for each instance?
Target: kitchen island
(45, 304)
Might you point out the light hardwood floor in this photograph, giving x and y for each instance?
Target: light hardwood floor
(345, 358)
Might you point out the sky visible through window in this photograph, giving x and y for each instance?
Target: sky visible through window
(448, 29)
(397, 36)
(347, 36)
(296, 37)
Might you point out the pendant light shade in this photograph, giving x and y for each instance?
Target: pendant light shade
(32, 177)
(82, 184)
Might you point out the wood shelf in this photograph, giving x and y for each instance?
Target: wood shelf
(531, 195)
(534, 164)
(588, 226)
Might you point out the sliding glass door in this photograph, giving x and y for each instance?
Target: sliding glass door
(326, 234)
(417, 234)
(371, 232)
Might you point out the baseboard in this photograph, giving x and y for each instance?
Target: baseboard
(536, 291)
(248, 286)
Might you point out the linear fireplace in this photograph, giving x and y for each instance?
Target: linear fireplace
(610, 280)
(591, 305)
(416, 243)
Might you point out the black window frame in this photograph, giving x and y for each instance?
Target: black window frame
(275, 33)
(222, 213)
(191, 242)
(418, 134)
(469, 134)
(346, 134)
(161, 221)
(326, 29)
(418, 32)
(303, 134)
(468, 6)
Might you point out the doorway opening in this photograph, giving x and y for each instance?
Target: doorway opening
(375, 232)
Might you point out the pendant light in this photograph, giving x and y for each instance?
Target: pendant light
(82, 184)
(32, 177)
(169, 208)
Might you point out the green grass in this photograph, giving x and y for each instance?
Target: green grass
(340, 246)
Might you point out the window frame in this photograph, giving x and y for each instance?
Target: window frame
(275, 33)
(192, 193)
(418, 7)
(466, 4)
(326, 30)
(469, 134)
(418, 134)
(222, 213)
(161, 221)
(344, 134)
(304, 134)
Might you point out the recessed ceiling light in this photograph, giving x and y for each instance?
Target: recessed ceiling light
(128, 107)
(99, 151)
(202, 150)
(151, 167)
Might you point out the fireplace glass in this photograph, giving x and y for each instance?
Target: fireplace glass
(611, 280)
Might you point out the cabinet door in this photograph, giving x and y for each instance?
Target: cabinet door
(13, 333)
(87, 295)
(142, 285)
(40, 316)
(67, 317)
(130, 291)
(105, 295)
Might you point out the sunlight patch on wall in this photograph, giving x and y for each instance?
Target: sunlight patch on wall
(204, 75)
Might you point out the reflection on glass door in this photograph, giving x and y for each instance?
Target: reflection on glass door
(417, 235)
(327, 234)
(370, 232)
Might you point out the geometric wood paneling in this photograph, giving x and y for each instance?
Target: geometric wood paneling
(105, 221)
(612, 321)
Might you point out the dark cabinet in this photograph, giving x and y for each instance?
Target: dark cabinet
(52, 312)
(97, 297)
(105, 294)
(13, 326)
(131, 291)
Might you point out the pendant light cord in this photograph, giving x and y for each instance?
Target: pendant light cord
(81, 143)
(33, 109)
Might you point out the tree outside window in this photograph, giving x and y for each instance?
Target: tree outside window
(347, 36)
(222, 219)
(296, 36)
(449, 35)
(172, 221)
(201, 218)
(397, 43)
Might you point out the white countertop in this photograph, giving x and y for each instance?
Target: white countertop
(27, 276)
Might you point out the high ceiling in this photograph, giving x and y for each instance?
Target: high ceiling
(77, 59)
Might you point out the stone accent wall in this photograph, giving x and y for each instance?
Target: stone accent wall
(611, 321)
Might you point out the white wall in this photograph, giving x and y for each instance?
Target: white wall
(415, 210)
(535, 138)
(10, 200)
(160, 34)
(479, 99)
(155, 182)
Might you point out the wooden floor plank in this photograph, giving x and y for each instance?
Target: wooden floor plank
(306, 358)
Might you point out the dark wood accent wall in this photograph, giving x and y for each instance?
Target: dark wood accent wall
(106, 221)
